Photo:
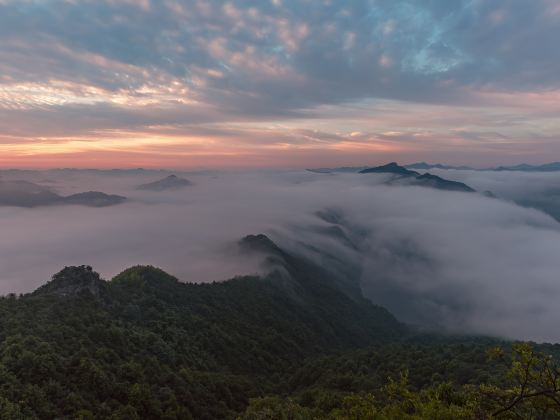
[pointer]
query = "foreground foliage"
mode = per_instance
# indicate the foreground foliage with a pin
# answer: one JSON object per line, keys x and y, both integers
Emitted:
{"x": 529, "y": 390}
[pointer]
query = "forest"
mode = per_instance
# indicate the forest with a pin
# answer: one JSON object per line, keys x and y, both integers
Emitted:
{"x": 294, "y": 344}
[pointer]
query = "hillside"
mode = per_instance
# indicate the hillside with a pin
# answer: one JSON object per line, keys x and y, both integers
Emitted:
{"x": 291, "y": 344}
{"x": 146, "y": 343}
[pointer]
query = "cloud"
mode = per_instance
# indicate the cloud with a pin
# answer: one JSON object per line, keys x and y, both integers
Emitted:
{"x": 92, "y": 66}
{"x": 464, "y": 262}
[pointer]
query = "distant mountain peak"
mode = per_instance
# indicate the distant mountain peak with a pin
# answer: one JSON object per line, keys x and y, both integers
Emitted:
{"x": 94, "y": 199}
{"x": 28, "y": 194}
{"x": 420, "y": 165}
{"x": 171, "y": 182}
{"x": 440, "y": 183}
{"x": 524, "y": 167}
{"x": 409, "y": 177}
{"x": 390, "y": 168}
{"x": 426, "y": 166}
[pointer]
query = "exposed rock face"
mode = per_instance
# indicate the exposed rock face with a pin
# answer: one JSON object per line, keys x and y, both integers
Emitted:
{"x": 74, "y": 281}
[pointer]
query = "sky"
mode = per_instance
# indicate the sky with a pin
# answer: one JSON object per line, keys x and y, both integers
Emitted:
{"x": 280, "y": 83}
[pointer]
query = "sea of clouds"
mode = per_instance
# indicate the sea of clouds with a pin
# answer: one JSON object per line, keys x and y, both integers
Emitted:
{"x": 464, "y": 262}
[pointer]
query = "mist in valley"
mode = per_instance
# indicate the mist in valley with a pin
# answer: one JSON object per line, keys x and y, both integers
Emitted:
{"x": 461, "y": 262}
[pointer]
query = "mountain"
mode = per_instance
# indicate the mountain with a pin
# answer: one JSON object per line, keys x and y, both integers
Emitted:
{"x": 434, "y": 181}
{"x": 74, "y": 281}
{"x": 28, "y": 194}
{"x": 426, "y": 166}
{"x": 145, "y": 345}
{"x": 549, "y": 167}
{"x": 342, "y": 169}
{"x": 94, "y": 199}
{"x": 404, "y": 176}
{"x": 390, "y": 168}
{"x": 292, "y": 343}
{"x": 171, "y": 182}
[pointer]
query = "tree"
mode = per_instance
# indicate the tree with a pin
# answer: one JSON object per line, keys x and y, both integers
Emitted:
{"x": 534, "y": 385}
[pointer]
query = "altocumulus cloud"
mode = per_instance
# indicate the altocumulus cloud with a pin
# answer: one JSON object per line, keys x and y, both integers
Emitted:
{"x": 100, "y": 67}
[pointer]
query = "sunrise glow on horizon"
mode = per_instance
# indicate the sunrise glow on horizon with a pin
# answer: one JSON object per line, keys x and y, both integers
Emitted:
{"x": 245, "y": 84}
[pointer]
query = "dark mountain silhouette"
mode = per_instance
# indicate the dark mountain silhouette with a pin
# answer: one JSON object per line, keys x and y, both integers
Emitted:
{"x": 426, "y": 166}
{"x": 548, "y": 167}
{"x": 523, "y": 167}
{"x": 94, "y": 199}
{"x": 434, "y": 181}
{"x": 390, "y": 168}
{"x": 28, "y": 194}
{"x": 171, "y": 182}
{"x": 404, "y": 176}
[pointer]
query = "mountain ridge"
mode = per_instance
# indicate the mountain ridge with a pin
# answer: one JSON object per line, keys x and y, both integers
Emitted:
{"x": 404, "y": 176}
{"x": 389, "y": 168}
{"x": 522, "y": 167}
{"x": 145, "y": 345}
{"x": 301, "y": 284}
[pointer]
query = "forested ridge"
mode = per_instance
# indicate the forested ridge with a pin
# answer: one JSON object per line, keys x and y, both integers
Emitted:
{"x": 293, "y": 344}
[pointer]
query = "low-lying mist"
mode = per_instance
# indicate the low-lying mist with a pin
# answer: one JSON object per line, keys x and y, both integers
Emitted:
{"x": 461, "y": 261}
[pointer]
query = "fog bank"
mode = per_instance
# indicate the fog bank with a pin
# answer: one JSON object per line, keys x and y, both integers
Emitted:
{"x": 462, "y": 261}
